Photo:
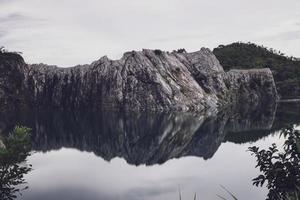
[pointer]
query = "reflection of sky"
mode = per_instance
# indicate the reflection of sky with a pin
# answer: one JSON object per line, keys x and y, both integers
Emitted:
{"x": 70, "y": 175}
{"x": 69, "y": 32}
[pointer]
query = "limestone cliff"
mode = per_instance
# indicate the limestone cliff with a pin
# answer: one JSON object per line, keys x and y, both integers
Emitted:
{"x": 143, "y": 80}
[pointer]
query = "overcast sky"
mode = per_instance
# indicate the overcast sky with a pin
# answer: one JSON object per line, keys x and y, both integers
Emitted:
{"x": 70, "y": 32}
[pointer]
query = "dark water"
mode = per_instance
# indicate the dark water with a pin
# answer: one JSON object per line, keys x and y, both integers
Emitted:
{"x": 133, "y": 156}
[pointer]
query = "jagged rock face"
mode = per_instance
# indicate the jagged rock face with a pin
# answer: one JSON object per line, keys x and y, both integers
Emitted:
{"x": 12, "y": 75}
{"x": 251, "y": 85}
{"x": 145, "y": 80}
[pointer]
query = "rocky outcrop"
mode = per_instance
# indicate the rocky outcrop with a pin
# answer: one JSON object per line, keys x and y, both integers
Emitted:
{"x": 12, "y": 76}
{"x": 144, "y": 80}
{"x": 251, "y": 86}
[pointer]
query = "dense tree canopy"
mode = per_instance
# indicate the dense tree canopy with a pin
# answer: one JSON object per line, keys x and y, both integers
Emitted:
{"x": 286, "y": 70}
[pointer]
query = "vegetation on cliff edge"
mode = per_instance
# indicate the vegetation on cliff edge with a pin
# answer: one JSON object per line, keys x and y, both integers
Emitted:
{"x": 286, "y": 70}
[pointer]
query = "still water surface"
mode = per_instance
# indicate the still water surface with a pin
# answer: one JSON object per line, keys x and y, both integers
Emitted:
{"x": 145, "y": 156}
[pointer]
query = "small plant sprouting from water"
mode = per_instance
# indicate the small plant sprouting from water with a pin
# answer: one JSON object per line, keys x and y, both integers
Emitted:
{"x": 227, "y": 191}
{"x": 180, "y": 197}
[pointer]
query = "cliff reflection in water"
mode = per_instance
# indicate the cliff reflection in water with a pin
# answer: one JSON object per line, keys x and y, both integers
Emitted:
{"x": 144, "y": 138}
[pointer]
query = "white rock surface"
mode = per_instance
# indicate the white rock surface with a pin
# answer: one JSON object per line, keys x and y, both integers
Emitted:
{"x": 141, "y": 80}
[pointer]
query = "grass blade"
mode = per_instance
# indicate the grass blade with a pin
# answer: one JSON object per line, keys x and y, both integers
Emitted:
{"x": 232, "y": 195}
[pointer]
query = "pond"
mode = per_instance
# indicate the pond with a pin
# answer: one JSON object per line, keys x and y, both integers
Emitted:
{"x": 135, "y": 156}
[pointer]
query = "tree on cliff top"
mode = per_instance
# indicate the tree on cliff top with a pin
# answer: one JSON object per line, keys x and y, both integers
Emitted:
{"x": 286, "y": 70}
{"x": 14, "y": 55}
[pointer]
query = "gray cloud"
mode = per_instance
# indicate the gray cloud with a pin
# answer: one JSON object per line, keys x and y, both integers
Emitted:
{"x": 15, "y": 25}
{"x": 6, "y": 1}
{"x": 148, "y": 192}
{"x": 58, "y": 31}
{"x": 179, "y": 37}
{"x": 290, "y": 35}
{"x": 12, "y": 17}
{"x": 297, "y": 23}
{"x": 286, "y": 36}
{"x": 73, "y": 193}
{"x": 2, "y": 34}
{"x": 20, "y": 18}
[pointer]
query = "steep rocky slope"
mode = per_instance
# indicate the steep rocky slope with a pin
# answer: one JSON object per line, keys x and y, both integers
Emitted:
{"x": 143, "y": 80}
{"x": 286, "y": 70}
{"x": 12, "y": 76}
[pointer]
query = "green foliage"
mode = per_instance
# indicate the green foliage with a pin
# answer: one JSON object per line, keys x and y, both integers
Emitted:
{"x": 157, "y": 52}
{"x": 15, "y": 150}
{"x": 5, "y": 51}
{"x": 5, "y": 54}
{"x": 182, "y": 50}
{"x": 2, "y": 50}
{"x": 280, "y": 170}
{"x": 286, "y": 70}
{"x": 17, "y": 145}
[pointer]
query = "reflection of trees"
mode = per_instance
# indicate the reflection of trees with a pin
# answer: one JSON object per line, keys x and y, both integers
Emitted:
{"x": 13, "y": 154}
{"x": 280, "y": 170}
